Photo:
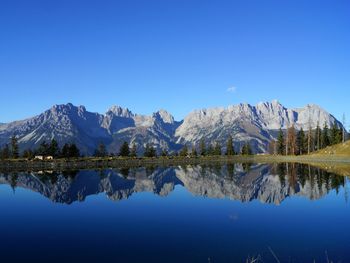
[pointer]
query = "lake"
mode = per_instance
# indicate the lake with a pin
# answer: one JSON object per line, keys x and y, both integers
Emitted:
{"x": 223, "y": 213}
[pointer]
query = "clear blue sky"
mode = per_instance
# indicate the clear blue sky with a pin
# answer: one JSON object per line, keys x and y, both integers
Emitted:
{"x": 178, "y": 55}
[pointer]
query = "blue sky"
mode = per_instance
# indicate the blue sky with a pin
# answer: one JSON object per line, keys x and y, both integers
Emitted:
{"x": 178, "y": 55}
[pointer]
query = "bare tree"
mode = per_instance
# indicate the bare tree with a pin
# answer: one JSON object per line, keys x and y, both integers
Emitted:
{"x": 344, "y": 124}
{"x": 309, "y": 134}
{"x": 291, "y": 144}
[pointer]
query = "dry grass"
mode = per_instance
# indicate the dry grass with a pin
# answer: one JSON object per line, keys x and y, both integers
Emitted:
{"x": 341, "y": 149}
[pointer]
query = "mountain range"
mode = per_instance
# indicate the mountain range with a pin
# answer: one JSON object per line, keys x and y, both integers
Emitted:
{"x": 244, "y": 122}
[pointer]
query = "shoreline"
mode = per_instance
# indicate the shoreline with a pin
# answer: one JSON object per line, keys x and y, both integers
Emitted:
{"x": 14, "y": 165}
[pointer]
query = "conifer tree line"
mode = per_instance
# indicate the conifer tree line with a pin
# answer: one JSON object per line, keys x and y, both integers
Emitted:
{"x": 298, "y": 142}
{"x": 52, "y": 148}
{"x": 11, "y": 150}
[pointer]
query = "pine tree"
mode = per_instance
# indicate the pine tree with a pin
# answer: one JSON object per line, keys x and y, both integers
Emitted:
{"x": 53, "y": 148}
{"x": 246, "y": 149}
{"x": 70, "y": 151}
{"x": 28, "y": 154}
{"x": 325, "y": 136}
{"x": 210, "y": 150}
{"x": 301, "y": 142}
{"x": 101, "y": 150}
{"x": 203, "y": 150}
{"x": 217, "y": 149}
{"x": 5, "y": 152}
{"x": 149, "y": 151}
{"x": 65, "y": 151}
{"x": 280, "y": 143}
{"x": 164, "y": 152}
{"x": 74, "y": 150}
{"x": 133, "y": 151}
{"x": 14, "y": 147}
{"x": 229, "y": 146}
{"x": 184, "y": 151}
{"x": 124, "y": 150}
{"x": 318, "y": 135}
{"x": 43, "y": 148}
{"x": 194, "y": 151}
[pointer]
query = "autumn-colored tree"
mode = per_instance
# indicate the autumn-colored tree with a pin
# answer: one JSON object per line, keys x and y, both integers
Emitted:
{"x": 273, "y": 147}
{"x": 291, "y": 146}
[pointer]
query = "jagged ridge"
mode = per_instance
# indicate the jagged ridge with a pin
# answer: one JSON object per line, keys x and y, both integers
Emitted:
{"x": 256, "y": 124}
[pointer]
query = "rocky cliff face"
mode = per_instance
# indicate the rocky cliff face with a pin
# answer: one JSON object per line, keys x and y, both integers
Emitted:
{"x": 257, "y": 124}
{"x": 68, "y": 123}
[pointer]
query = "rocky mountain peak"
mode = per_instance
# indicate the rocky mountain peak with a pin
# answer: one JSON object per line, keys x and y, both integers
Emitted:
{"x": 163, "y": 115}
{"x": 120, "y": 112}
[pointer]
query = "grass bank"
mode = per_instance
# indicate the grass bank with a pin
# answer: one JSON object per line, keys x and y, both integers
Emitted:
{"x": 322, "y": 161}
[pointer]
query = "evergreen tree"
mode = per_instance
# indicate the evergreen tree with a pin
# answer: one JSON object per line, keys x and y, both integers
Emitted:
{"x": 65, "y": 151}
{"x": 149, "y": 151}
{"x": 164, "y": 153}
{"x": 14, "y": 147}
{"x": 229, "y": 146}
{"x": 202, "y": 147}
{"x": 217, "y": 148}
{"x": 53, "y": 148}
{"x": 43, "y": 148}
{"x": 70, "y": 151}
{"x": 194, "y": 151}
{"x": 184, "y": 151}
{"x": 28, "y": 154}
{"x": 325, "y": 136}
{"x": 246, "y": 149}
{"x": 74, "y": 150}
{"x": 280, "y": 143}
{"x": 5, "y": 152}
{"x": 301, "y": 142}
{"x": 101, "y": 150}
{"x": 210, "y": 150}
{"x": 133, "y": 151}
{"x": 318, "y": 135}
{"x": 124, "y": 150}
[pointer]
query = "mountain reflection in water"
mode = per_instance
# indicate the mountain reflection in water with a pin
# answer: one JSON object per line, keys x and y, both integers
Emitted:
{"x": 268, "y": 183}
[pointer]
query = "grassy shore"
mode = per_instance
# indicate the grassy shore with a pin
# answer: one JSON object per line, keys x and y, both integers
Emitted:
{"x": 323, "y": 161}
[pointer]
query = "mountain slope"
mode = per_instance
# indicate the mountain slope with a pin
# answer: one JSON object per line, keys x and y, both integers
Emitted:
{"x": 70, "y": 124}
{"x": 257, "y": 124}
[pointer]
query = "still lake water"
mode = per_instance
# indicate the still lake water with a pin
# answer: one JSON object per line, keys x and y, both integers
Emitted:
{"x": 176, "y": 214}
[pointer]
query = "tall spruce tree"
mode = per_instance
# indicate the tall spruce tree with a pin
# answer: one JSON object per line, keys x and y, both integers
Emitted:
{"x": 14, "y": 147}
{"x": 101, "y": 150}
{"x": 194, "y": 151}
{"x": 301, "y": 142}
{"x": 5, "y": 152}
{"x": 325, "y": 136}
{"x": 53, "y": 148}
{"x": 217, "y": 148}
{"x": 246, "y": 149}
{"x": 150, "y": 151}
{"x": 164, "y": 153}
{"x": 124, "y": 150}
{"x": 202, "y": 147}
{"x": 133, "y": 151}
{"x": 280, "y": 143}
{"x": 184, "y": 151}
{"x": 318, "y": 137}
{"x": 229, "y": 146}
